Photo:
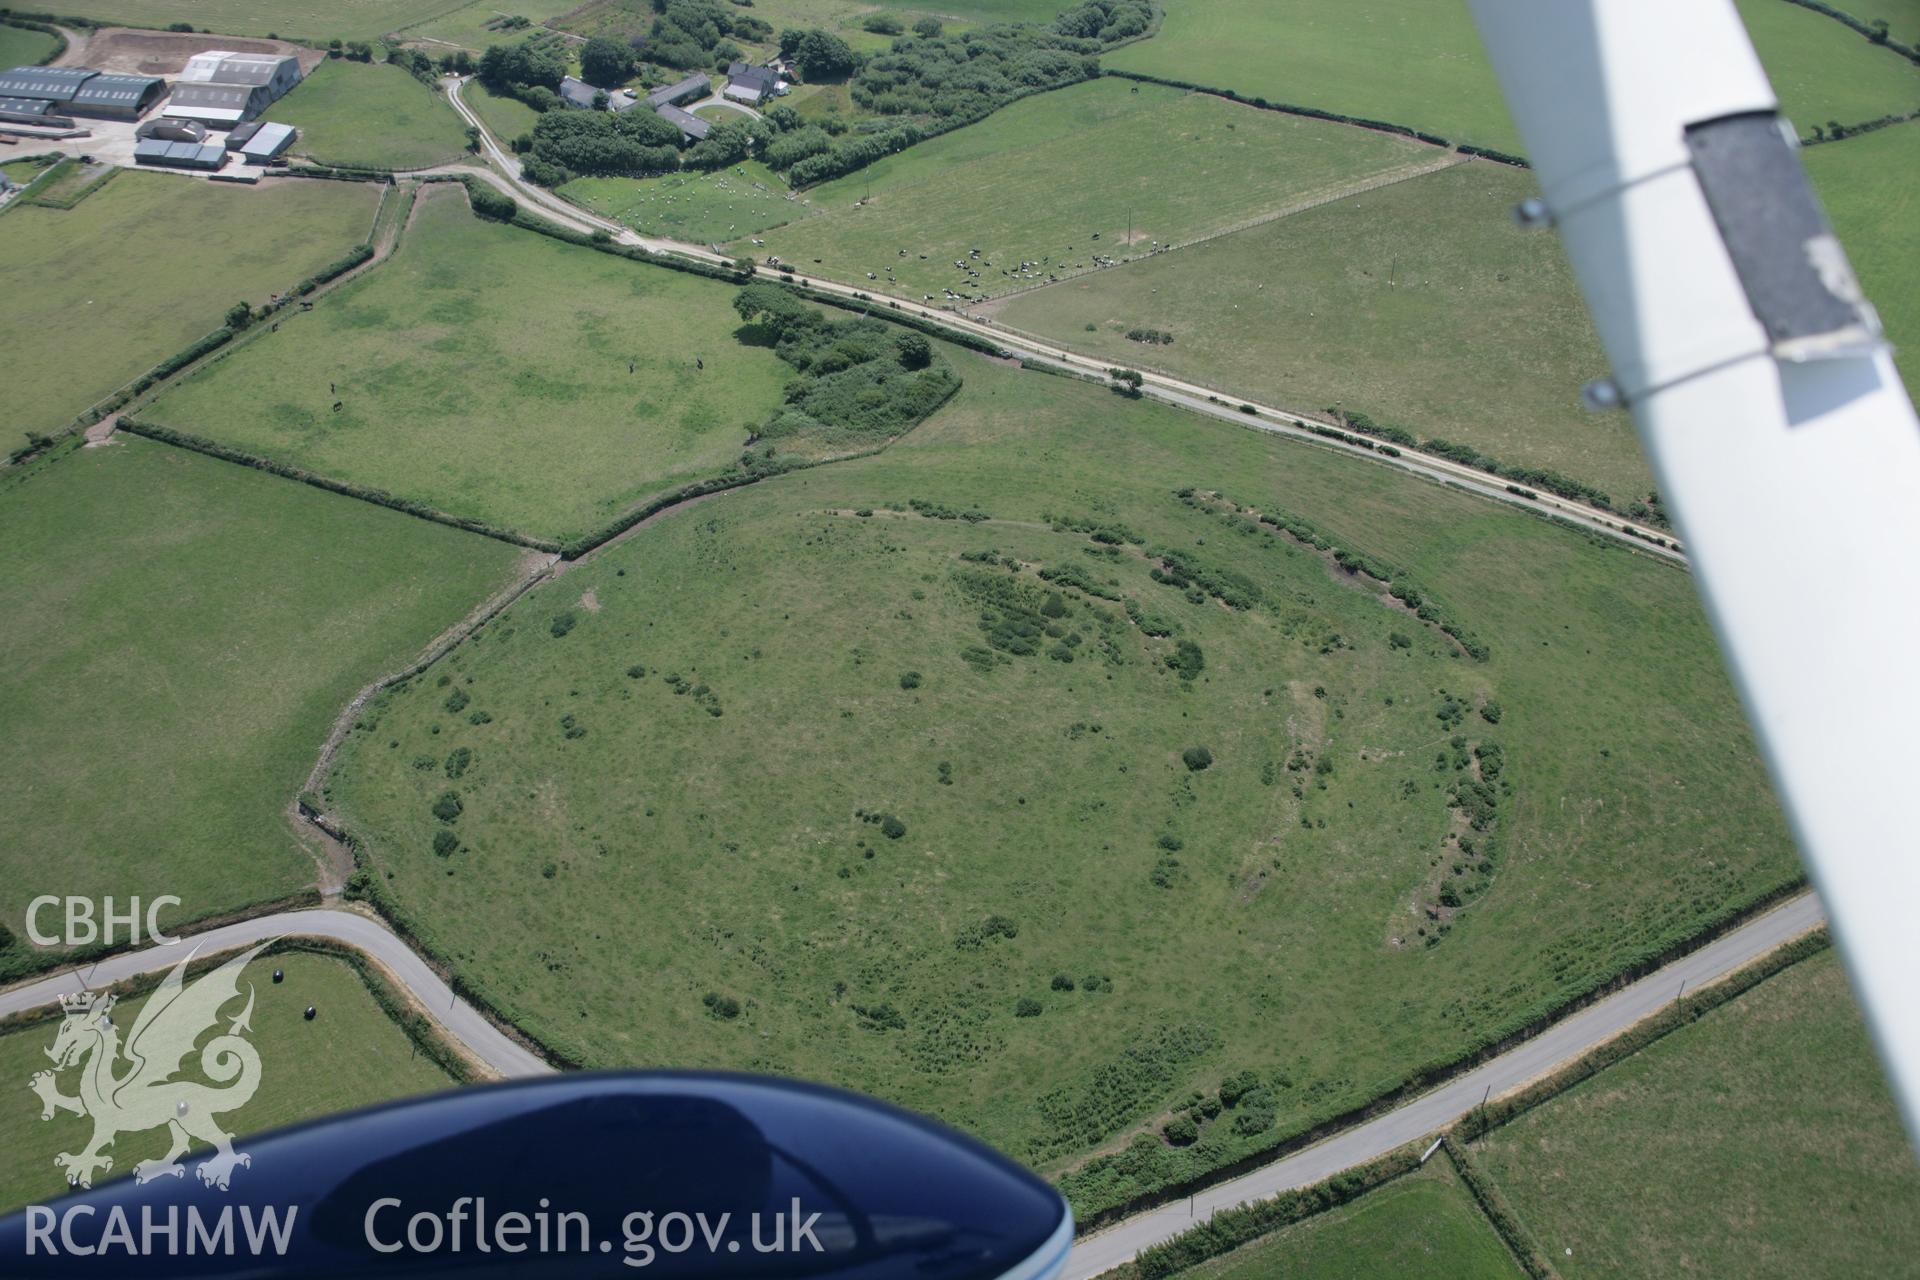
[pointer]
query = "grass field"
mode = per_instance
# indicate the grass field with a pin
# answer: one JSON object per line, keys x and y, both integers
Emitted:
{"x": 24, "y": 171}
{"x": 702, "y": 207}
{"x": 486, "y": 371}
{"x": 1868, "y": 186}
{"x": 141, "y": 307}
{"x": 1419, "y": 304}
{"x": 466, "y": 24}
{"x": 313, "y": 20}
{"x": 675, "y": 740}
{"x": 1424, "y": 1226}
{"x": 180, "y": 634}
{"x": 372, "y": 115}
{"x": 1760, "y": 1141}
{"x": 21, "y": 47}
{"x": 1421, "y": 64}
{"x": 506, "y": 118}
{"x": 352, "y": 1055}
{"x": 1057, "y": 179}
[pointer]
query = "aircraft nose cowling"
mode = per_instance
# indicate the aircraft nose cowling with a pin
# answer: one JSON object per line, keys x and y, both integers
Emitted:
{"x": 651, "y": 1173}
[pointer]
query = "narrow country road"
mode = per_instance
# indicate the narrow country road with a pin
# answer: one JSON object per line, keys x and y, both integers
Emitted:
{"x": 1427, "y": 1114}
{"x": 1422, "y": 1116}
{"x": 503, "y": 172}
{"x": 363, "y": 933}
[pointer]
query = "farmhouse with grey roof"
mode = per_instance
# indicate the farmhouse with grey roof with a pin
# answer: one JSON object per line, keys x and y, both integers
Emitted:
{"x": 751, "y": 84}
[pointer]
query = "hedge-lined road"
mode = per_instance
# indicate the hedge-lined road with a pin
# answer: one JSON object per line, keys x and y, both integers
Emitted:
{"x": 1427, "y": 1114}
{"x": 503, "y": 173}
{"x": 369, "y": 936}
{"x": 1560, "y": 1043}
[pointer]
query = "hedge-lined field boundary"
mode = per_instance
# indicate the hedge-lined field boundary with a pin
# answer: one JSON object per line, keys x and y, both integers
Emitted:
{"x": 1499, "y": 1214}
{"x": 1874, "y": 35}
{"x": 379, "y": 497}
{"x": 1321, "y": 113}
{"x": 44, "y": 28}
{"x": 1228, "y": 1229}
{"x": 68, "y": 203}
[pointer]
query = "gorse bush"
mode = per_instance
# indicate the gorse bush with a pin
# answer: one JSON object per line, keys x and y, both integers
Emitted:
{"x": 448, "y": 806}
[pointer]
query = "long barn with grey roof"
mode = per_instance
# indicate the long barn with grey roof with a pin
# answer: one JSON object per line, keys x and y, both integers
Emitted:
{"x": 674, "y": 94}
{"x": 689, "y": 124}
{"x": 82, "y": 91}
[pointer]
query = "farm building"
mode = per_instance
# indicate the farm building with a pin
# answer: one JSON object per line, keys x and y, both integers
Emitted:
{"x": 49, "y": 84}
{"x": 691, "y": 126}
{"x": 179, "y": 155}
{"x": 750, "y": 84}
{"x": 172, "y": 130}
{"x": 117, "y": 97}
{"x": 84, "y": 92}
{"x": 267, "y": 144}
{"x": 223, "y": 88}
{"x": 241, "y": 134}
{"x": 32, "y": 111}
{"x": 218, "y": 105}
{"x": 674, "y": 94}
{"x": 576, "y": 92}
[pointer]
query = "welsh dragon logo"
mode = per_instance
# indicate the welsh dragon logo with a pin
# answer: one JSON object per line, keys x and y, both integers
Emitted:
{"x": 132, "y": 1087}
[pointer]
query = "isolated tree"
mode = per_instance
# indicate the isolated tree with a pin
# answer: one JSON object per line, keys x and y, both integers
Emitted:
{"x": 606, "y": 63}
{"x": 239, "y": 316}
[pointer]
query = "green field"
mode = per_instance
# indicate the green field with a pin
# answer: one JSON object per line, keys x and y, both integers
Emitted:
{"x": 1417, "y": 63}
{"x": 466, "y": 24}
{"x": 21, "y": 47}
{"x": 371, "y": 115}
{"x": 484, "y": 370}
{"x": 506, "y": 118}
{"x": 1868, "y": 186}
{"x": 675, "y": 740}
{"x": 1760, "y": 1141}
{"x": 1059, "y": 178}
{"x": 352, "y": 1055}
{"x": 312, "y": 20}
{"x": 1420, "y": 304}
{"x": 701, "y": 207}
{"x": 91, "y": 265}
{"x": 180, "y": 635}
{"x": 1822, "y": 70}
{"x": 1424, "y": 1226}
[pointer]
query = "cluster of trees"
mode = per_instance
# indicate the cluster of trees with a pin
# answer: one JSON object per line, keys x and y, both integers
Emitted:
{"x": 692, "y": 34}
{"x": 856, "y": 379}
{"x": 607, "y": 63}
{"x": 885, "y": 24}
{"x": 820, "y": 55}
{"x": 1156, "y": 337}
{"x": 1106, "y": 20}
{"x": 530, "y": 64}
{"x": 568, "y": 143}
